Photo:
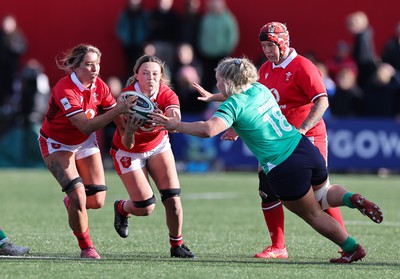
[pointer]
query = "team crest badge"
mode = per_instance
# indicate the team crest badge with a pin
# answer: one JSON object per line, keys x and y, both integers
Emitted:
{"x": 288, "y": 75}
{"x": 55, "y": 145}
{"x": 95, "y": 95}
{"x": 126, "y": 162}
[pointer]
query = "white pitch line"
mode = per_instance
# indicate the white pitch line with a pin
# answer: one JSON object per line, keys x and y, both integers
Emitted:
{"x": 366, "y": 223}
{"x": 28, "y": 257}
{"x": 211, "y": 196}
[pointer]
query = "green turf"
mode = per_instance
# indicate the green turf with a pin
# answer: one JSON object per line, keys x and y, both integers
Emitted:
{"x": 223, "y": 226}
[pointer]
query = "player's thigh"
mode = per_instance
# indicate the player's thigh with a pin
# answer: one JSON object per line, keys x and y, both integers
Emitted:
{"x": 305, "y": 207}
{"x": 137, "y": 184}
{"x": 91, "y": 169}
{"x": 162, "y": 169}
{"x": 62, "y": 166}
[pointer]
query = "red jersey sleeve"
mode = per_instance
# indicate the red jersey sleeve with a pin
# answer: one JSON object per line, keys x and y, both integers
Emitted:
{"x": 295, "y": 87}
{"x": 309, "y": 79}
{"x": 68, "y": 100}
{"x": 166, "y": 98}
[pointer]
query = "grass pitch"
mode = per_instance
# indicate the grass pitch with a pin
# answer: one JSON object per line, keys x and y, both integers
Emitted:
{"x": 223, "y": 226}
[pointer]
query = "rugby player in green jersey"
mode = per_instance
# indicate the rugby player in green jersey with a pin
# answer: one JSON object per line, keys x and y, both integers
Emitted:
{"x": 295, "y": 168}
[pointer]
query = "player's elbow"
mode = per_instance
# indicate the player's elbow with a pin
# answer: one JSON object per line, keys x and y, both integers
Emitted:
{"x": 206, "y": 135}
{"x": 209, "y": 132}
{"x": 322, "y": 102}
{"x": 129, "y": 145}
{"x": 86, "y": 130}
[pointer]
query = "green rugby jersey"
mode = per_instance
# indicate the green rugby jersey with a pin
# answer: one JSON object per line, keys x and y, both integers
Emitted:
{"x": 256, "y": 117}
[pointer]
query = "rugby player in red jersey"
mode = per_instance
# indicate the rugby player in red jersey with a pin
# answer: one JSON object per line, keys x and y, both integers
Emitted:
{"x": 68, "y": 137}
{"x": 301, "y": 94}
{"x": 141, "y": 150}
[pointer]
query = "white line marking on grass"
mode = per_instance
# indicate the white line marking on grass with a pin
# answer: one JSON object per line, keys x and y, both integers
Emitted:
{"x": 366, "y": 223}
{"x": 211, "y": 196}
{"x": 27, "y": 257}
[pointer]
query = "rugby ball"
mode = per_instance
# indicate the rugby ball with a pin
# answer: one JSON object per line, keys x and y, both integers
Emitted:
{"x": 143, "y": 104}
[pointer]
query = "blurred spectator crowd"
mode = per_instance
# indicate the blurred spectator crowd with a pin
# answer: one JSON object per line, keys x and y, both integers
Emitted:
{"x": 24, "y": 91}
{"x": 360, "y": 82}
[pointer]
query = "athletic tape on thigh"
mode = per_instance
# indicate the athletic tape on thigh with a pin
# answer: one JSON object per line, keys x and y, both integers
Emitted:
{"x": 169, "y": 193}
{"x": 92, "y": 189}
{"x": 72, "y": 185}
{"x": 145, "y": 203}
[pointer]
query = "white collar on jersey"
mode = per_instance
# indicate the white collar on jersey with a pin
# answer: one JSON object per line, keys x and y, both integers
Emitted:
{"x": 152, "y": 97}
{"x": 286, "y": 62}
{"x": 246, "y": 87}
{"x": 79, "y": 84}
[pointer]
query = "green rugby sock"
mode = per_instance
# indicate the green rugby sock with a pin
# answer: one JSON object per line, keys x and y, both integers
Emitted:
{"x": 346, "y": 200}
{"x": 349, "y": 245}
{"x": 3, "y": 237}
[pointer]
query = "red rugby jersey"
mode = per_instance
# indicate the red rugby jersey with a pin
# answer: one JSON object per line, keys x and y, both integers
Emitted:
{"x": 295, "y": 83}
{"x": 70, "y": 97}
{"x": 148, "y": 137}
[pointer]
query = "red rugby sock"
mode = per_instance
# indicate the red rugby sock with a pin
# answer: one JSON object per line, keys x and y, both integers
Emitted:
{"x": 275, "y": 220}
{"x": 84, "y": 240}
{"x": 175, "y": 240}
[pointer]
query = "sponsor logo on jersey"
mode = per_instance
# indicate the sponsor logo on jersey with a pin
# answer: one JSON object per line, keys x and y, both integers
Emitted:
{"x": 276, "y": 94}
{"x": 90, "y": 113}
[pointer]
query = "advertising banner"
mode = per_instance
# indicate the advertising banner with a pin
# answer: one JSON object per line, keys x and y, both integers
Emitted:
{"x": 353, "y": 145}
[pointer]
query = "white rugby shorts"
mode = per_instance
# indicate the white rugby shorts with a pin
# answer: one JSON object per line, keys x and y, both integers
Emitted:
{"x": 125, "y": 161}
{"x": 85, "y": 149}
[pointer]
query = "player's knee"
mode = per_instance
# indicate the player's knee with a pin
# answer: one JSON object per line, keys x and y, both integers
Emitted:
{"x": 93, "y": 189}
{"x": 72, "y": 185}
{"x": 322, "y": 195}
{"x": 95, "y": 201}
{"x": 267, "y": 198}
{"x": 266, "y": 206}
{"x": 146, "y": 207}
{"x": 169, "y": 193}
{"x": 173, "y": 206}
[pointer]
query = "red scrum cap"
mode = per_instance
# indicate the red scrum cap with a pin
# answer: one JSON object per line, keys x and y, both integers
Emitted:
{"x": 275, "y": 32}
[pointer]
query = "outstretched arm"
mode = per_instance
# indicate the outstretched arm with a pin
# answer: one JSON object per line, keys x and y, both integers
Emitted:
{"x": 203, "y": 129}
{"x": 207, "y": 96}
